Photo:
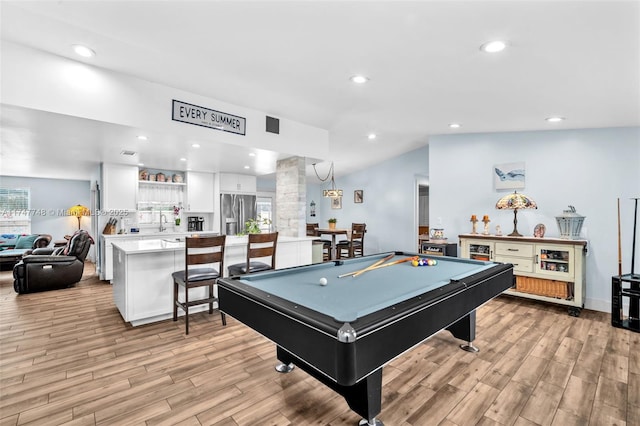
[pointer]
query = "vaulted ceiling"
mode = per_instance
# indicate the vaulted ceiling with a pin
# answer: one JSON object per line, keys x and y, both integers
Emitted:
{"x": 293, "y": 59}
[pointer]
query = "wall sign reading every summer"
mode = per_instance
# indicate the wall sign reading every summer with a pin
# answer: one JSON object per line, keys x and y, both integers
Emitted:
{"x": 205, "y": 117}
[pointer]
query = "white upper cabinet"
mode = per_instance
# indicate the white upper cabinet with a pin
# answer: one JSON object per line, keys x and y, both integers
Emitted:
{"x": 200, "y": 190}
{"x": 241, "y": 184}
{"x": 119, "y": 187}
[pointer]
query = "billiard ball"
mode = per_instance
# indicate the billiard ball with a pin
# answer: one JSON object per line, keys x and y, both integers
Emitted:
{"x": 323, "y": 281}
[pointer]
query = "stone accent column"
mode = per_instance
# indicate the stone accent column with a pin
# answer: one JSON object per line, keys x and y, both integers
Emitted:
{"x": 291, "y": 197}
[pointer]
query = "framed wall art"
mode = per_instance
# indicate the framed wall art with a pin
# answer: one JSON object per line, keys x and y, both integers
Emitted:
{"x": 509, "y": 176}
{"x": 336, "y": 202}
{"x": 358, "y": 195}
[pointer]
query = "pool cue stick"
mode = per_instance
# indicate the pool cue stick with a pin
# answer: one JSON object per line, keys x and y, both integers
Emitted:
{"x": 353, "y": 274}
{"x": 633, "y": 247}
{"x": 619, "y": 242}
{"x": 384, "y": 265}
{"x": 380, "y": 262}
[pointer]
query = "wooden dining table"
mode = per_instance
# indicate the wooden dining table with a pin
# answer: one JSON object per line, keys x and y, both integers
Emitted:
{"x": 333, "y": 232}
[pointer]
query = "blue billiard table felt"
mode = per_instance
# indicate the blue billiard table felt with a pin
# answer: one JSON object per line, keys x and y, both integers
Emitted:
{"x": 349, "y": 298}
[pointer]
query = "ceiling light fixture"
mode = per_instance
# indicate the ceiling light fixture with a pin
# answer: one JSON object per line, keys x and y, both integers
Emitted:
{"x": 84, "y": 51}
{"x": 183, "y": 159}
{"x": 372, "y": 136}
{"x": 359, "y": 79}
{"x": 252, "y": 154}
{"x": 454, "y": 126}
{"x": 195, "y": 145}
{"x": 555, "y": 119}
{"x": 333, "y": 192}
{"x": 246, "y": 167}
{"x": 142, "y": 138}
{"x": 493, "y": 46}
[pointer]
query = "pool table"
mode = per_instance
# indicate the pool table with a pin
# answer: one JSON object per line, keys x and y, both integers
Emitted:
{"x": 344, "y": 332}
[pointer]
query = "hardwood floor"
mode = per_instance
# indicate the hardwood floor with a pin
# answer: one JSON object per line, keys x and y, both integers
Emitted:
{"x": 67, "y": 357}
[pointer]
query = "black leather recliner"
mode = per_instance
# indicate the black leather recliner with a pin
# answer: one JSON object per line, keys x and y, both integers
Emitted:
{"x": 50, "y": 269}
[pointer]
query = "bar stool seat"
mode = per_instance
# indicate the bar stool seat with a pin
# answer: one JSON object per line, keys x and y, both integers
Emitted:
{"x": 258, "y": 246}
{"x": 241, "y": 268}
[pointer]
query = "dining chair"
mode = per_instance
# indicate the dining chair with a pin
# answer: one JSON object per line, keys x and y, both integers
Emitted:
{"x": 258, "y": 246}
{"x": 199, "y": 251}
{"x": 354, "y": 245}
{"x": 312, "y": 231}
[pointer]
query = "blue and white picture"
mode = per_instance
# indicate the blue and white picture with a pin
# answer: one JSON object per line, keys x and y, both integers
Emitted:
{"x": 509, "y": 176}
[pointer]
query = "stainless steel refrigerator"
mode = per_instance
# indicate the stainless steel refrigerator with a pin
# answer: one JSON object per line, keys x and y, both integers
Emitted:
{"x": 235, "y": 210}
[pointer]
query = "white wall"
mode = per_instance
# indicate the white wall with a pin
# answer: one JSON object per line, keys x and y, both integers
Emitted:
{"x": 587, "y": 168}
{"x": 41, "y": 81}
{"x": 390, "y": 200}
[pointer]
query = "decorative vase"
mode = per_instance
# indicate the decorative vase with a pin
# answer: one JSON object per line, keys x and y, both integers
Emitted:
{"x": 178, "y": 222}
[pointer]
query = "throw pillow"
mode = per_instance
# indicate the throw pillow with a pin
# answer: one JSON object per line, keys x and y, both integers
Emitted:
{"x": 26, "y": 241}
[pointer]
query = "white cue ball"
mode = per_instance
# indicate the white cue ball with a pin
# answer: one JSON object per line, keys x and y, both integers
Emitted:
{"x": 323, "y": 281}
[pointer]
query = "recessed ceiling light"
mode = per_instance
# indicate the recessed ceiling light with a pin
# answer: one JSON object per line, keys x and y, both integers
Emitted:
{"x": 183, "y": 159}
{"x": 252, "y": 154}
{"x": 142, "y": 138}
{"x": 83, "y": 51}
{"x": 371, "y": 136}
{"x": 493, "y": 46}
{"x": 455, "y": 125}
{"x": 246, "y": 167}
{"x": 555, "y": 119}
{"x": 195, "y": 145}
{"x": 359, "y": 79}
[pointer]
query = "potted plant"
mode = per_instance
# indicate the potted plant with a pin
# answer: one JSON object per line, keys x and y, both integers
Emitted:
{"x": 252, "y": 226}
{"x": 332, "y": 223}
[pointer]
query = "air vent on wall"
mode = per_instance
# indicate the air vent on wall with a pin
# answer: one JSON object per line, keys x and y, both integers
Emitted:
{"x": 128, "y": 153}
{"x": 273, "y": 125}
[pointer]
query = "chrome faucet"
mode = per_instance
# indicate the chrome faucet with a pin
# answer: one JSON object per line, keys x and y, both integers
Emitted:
{"x": 163, "y": 219}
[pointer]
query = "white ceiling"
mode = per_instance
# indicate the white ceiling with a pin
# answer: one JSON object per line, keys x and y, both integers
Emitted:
{"x": 293, "y": 59}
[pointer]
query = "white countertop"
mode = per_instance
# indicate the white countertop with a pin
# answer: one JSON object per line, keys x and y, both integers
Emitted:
{"x": 171, "y": 244}
{"x": 159, "y": 235}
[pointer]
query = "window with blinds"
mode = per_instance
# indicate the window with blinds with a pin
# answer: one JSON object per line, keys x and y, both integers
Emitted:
{"x": 15, "y": 211}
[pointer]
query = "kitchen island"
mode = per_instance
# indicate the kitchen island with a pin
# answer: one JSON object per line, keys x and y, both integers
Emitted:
{"x": 142, "y": 283}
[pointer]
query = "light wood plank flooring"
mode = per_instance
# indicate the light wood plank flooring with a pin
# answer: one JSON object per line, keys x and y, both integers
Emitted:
{"x": 66, "y": 357}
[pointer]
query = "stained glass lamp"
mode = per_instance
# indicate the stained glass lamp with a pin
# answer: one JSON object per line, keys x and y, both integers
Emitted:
{"x": 515, "y": 202}
{"x": 79, "y": 211}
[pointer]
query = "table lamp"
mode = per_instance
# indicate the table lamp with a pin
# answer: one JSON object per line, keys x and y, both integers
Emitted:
{"x": 515, "y": 202}
{"x": 78, "y": 211}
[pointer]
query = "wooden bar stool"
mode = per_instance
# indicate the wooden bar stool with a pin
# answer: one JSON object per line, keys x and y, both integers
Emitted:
{"x": 354, "y": 246}
{"x": 258, "y": 246}
{"x": 199, "y": 251}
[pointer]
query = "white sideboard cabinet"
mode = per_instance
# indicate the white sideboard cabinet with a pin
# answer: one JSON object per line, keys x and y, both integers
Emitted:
{"x": 548, "y": 269}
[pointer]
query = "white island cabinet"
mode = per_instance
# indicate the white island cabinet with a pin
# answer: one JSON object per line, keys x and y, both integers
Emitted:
{"x": 142, "y": 283}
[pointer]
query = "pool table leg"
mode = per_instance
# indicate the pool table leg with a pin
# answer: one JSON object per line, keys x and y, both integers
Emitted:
{"x": 363, "y": 397}
{"x": 465, "y": 329}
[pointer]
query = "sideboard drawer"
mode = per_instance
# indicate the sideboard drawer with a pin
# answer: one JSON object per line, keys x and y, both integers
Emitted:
{"x": 520, "y": 264}
{"x": 514, "y": 249}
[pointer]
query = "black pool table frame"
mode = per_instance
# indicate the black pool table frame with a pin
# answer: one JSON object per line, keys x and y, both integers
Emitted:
{"x": 348, "y": 357}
